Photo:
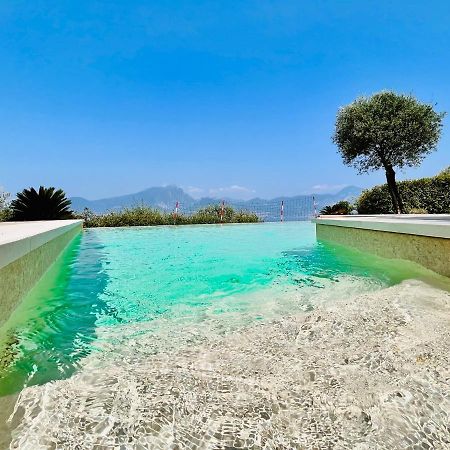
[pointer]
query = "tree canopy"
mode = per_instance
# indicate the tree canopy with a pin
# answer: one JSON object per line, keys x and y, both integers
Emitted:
{"x": 387, "y": 130}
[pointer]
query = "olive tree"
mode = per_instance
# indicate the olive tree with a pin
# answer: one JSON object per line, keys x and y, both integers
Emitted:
{"x": 387, "y": 131}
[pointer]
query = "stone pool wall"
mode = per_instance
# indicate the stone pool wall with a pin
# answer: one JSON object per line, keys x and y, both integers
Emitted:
{"x": 24, "y": 260}
{"x": 429, "y": 251}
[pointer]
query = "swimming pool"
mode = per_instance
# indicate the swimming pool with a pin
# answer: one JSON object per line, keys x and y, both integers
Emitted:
{"x": 118, "y": 297}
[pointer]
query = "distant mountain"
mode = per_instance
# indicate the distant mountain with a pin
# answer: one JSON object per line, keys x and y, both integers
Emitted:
{"x": 165, "y": 198}
{"x": 349, "y": 193}
{"x": 157, "y": 197}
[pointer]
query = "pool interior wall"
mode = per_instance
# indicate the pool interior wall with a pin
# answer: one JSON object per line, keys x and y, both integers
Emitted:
{"x": 19, "y": 276}
{"x": 432, "y": 253}
{"x": 17, "y": 279}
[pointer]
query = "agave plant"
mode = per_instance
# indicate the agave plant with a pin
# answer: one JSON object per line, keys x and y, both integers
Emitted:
{"x": 45, "y": 204}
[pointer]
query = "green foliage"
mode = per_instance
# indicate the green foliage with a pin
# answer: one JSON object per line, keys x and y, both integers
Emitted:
{"x": 387, "y": 131}
{"x": 145, "y": 216}
{"x": 5, "y": 211}
{"x": 386, "y": 127}
{"x": 212, "y": 214}
{"x": 4, "y": 199}
{"x": 446, "y": 171}
{"x": 5, "y": 214}
{"x": 342, "y": 207}
{"x": 426, "y": 194}
{"x": 44, "y": 204}
{"x": 417, "y": 211}
{"x": 137, "y": 216}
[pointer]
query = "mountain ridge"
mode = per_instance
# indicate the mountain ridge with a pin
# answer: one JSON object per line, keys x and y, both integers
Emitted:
{"x": 165, "y": 198}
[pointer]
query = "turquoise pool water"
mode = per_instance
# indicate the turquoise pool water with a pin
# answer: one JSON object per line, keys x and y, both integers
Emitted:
{"x": 179, "y": 284}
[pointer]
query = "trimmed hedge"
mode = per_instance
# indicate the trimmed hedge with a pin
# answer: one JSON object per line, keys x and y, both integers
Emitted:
{"x": 431, "y": 195}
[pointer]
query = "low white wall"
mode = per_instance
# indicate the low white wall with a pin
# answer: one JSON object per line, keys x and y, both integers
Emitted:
{"x": 433, "y": 225}
{"x": 27, "y": 250}
{"x": 425, "y": 241}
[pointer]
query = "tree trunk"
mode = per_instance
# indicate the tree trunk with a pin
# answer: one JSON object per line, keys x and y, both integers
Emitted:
{"x": 393, "y": 190}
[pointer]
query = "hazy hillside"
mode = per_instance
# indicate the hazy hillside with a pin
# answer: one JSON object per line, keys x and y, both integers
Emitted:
{"x": 296, "y": 207}
{"x": 158, "y": 197}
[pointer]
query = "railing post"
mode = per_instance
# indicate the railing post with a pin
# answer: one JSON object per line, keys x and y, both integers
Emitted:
{"x": 222, "y": 210}
{"x": 175, "y": 213}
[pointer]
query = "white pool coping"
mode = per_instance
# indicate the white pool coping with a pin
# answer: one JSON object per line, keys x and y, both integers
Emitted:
{"x": 433, "y": 225}
{"x": 19, "y": 238}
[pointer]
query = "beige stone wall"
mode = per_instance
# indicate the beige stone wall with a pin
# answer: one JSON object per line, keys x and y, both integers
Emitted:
{"x": 430, "y": 252}
{"x": 18, "y": 277}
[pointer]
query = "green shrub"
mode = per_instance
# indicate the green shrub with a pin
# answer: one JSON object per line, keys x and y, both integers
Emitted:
{"x": 5, "y": 211}
{"x": 146, "y": 216}
{"x": 213, "y": 214}
{"x": 5, "y": 214}
{"x": 446, "y": 171}
{"x": 339, "y": 208}
{"x": 427, "y": 194}
{"x": 417, "y": 211}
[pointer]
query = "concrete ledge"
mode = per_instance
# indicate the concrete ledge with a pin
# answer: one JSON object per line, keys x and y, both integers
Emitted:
{"x": 435, "y": 225}
{"x": 27, "y": 249}
{"x": 19, "y": 238}
{"x": 424, "y": 241}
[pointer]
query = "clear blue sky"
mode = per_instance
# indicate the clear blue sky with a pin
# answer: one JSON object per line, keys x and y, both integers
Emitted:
{"x": 234, "y": 98}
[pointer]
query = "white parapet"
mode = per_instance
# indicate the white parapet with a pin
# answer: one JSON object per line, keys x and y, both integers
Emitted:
{"x": 19, "y": 238}
{"x": 433, "y": 225}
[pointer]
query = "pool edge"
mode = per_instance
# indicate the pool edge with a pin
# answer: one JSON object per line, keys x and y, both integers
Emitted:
{"x": 26, "y": 258}
{"x": 431, "y": 252}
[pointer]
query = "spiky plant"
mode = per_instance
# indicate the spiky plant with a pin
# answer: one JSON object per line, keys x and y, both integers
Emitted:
{"x": 44, "y": 204}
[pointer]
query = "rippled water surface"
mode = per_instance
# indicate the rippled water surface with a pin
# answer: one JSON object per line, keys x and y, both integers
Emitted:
{"x": 180, "y": 284}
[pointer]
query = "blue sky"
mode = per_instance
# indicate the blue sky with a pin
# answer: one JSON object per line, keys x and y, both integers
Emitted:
{"x": 229, "y": 98}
